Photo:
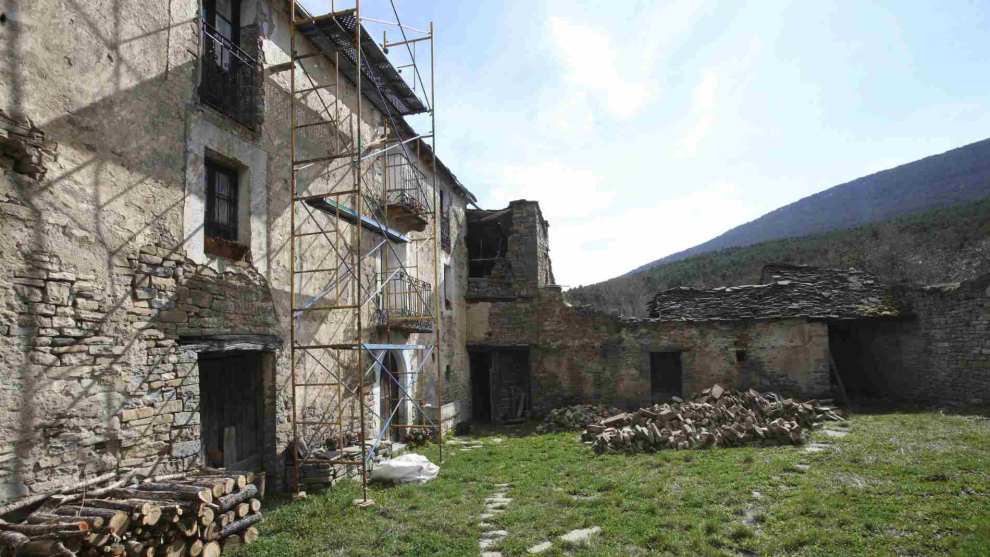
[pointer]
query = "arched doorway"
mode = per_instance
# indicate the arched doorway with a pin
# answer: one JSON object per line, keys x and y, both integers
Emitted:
{"x": 389, "y": 395}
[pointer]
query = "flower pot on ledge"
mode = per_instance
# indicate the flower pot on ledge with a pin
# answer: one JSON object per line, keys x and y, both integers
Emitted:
{"x": 228, "y": 249}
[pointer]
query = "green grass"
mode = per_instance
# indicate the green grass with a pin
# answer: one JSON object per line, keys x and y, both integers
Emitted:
{"x": 899, "y": 484}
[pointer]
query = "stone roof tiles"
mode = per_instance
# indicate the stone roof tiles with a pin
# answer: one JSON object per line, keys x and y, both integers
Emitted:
{"x": 790, "y": 291}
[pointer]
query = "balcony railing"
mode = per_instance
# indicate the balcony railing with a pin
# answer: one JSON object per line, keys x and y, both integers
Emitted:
{"x": 405, "y": 303}
{"x": 230, "y": 78}
{"x": 445, "y": 230}
{"x": 408, "y": 188}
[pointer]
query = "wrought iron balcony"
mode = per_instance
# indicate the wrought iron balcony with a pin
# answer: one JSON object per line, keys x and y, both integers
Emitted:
{"x": 445, "y": 230}
{"x": 409, "y": 198}
{"x": 405, "y": 304}
{"x": 230, "y": 78}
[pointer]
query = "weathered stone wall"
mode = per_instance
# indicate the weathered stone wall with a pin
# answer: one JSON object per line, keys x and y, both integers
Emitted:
{"x": 940, "y": 354}
{"x": 518, "y": 273}
{"x": 586, "y": 356}
{"x": 93, "y": 374}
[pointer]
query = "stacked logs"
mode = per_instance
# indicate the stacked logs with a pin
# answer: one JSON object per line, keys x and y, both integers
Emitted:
{"x": 195, "y": 514}
{"x": 575, "y": 417}
{"x": 715, "y": 418}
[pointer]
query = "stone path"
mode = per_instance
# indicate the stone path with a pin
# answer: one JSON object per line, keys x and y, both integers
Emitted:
{"x": 579, "y": 536}
{"x": 493, "y": 505}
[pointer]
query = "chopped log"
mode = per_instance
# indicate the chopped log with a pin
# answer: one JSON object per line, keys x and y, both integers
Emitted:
{"x": 189, "y": 492}
{"x": 176, "y": 549}
{"x": 196, "y": 548}
{"x": 242, "y": 524}
{"x": 228, "y": 502}
{"x": 255, "y": 505}
{"x": 26, "y": 502}
{"x": 250, "y": 535}
{"x": 64, "y": 535}
{"x": 94, "y": 522}
{"x": 37, "y": 529}
{"x": 242, "y": 509}
{"x": 197, "y": 495}
{"x": 13, "y": 541}
{"x": 166, "y": 477}
{"x": 74, "y": 545}
{"x": 211, "y": 549}
{"x": 86, "y": 483}
{"x": 209, "y": 532}
{"x": 44, "y": 548}
{"x": 217, "y": 488}
{"x": 124, "y": 480}
{"x": 137, "y": 549}
{"x": 128, "y": 505}
{"x": 98, "y": 539}
{"x": 189, "y": 527}
{"x": 240, "y": 480}
{"x": 231, "y": 543}
{"x": 116, "y": 521}
{"x": 206, "y": 516}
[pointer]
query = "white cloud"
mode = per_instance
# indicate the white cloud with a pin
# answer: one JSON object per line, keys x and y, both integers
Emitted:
{"x": 563, "y": 192}
{"x": 704, "y": 105}
{"x": 592, "y": 62}
{"x": 585, "y": 251}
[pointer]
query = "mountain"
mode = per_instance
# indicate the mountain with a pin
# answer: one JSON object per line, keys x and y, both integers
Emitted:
{"x": 954, "y": 177}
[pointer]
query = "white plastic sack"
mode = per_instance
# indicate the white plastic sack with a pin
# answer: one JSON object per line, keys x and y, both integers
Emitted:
{"x": 408, "y": 468}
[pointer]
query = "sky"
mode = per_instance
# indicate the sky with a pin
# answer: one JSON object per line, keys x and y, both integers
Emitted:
{"x": 646, "y": 127}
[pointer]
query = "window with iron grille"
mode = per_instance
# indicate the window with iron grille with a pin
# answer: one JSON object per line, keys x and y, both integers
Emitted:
{"x": 230, "y": 75}
{"x": 221, "y": 202}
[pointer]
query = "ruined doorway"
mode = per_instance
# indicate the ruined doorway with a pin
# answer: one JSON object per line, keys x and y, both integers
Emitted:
{"x": 389, "y": 395}
{"x": 666, "y": 375}
{"x": 481, "y": 387}
{"x": 230, "y": 407}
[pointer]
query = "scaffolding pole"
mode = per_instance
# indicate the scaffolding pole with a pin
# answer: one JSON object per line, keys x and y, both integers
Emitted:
{"x": 365, "y": 208}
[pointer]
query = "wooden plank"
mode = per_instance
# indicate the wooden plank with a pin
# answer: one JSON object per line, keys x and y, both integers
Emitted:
{"x": 224, "y": 343}
{"x": 838, "y": 378}
{"x": 229, "y": 445}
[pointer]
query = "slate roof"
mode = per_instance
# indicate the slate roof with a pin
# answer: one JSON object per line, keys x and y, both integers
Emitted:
{"x": 789, "y": 291}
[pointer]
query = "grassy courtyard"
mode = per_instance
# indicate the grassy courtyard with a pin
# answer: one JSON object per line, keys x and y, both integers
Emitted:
{"x": 897, "y": 484}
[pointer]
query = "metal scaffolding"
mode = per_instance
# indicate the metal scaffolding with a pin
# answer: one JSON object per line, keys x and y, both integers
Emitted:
{"x": 374, "y": 192}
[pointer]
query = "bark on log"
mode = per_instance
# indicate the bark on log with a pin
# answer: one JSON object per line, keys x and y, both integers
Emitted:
{"x": 242, "y": 524}
{"x": 217, "y": 488}
{"x": 228, "y": 502}
{"x": 116, "y": 521}
{"x": 44, "y": 548}
{"x": 86, "y": 483}
{"x": 26, "y": 502}
{"x": 166, "y": 477}
{"x": 239, "y": 480}
{"x": 94, "y": 522}
{"x": 211, "y": 549}
{"x": 13, "y": 541}
{"x": 250, "y": 535}
{"x": 231, "y": 543}
{"x": 197, "y": 496}
{"x": 38, "y": 529}
{"x": 63, "y": 499}
{"x": 189, "y": 492}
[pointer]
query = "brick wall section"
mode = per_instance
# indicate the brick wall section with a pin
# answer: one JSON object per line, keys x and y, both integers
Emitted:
{"x": 942, "y": 355}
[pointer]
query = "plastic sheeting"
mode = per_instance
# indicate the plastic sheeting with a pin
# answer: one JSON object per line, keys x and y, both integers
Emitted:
{"x": 408, "y": 468}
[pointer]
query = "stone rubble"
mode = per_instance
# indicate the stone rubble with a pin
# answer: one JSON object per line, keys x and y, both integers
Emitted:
{"x": 575, "y": 417}
{"x": 715, "y": 418}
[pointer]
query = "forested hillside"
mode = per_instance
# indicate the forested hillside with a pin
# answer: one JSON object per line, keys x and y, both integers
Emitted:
{"x": 942, "y": 245}
{"x": 957, "y": 176}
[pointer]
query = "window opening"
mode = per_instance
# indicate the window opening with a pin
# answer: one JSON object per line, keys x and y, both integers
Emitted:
{"x": 221, "y": 202}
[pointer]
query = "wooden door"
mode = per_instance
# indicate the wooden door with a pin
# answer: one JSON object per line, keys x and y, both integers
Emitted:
{"x": 230, "y": 407}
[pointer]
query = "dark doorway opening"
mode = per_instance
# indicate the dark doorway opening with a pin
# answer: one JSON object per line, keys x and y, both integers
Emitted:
{"x": 665, "y": 375}
{"x": 481, "y": 387}
{"x": 500, "y": 385}
{"x": 231, "y": 408}
{"x": 389, "y": 395}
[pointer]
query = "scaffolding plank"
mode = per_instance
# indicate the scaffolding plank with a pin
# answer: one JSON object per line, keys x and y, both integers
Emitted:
{"x": 325, "y": 195}
{"x": 322, "y": 159}
{"x": 308, "y": 20}
{"x": 350, "y": 216}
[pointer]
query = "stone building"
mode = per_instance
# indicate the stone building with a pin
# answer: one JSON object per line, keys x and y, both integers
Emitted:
{"x": 797, "y": 333}
{"x": 144, "y": 237}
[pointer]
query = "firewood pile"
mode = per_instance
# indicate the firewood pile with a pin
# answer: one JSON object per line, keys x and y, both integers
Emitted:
{"x": 578, "y": 416}
{"x": 191, "y": 514}
{"x": 715, "y": 418}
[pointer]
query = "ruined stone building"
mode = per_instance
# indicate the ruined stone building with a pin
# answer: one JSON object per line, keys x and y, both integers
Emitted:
{"x": 144, "y": 168}
{"x": 797, "y": 333}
